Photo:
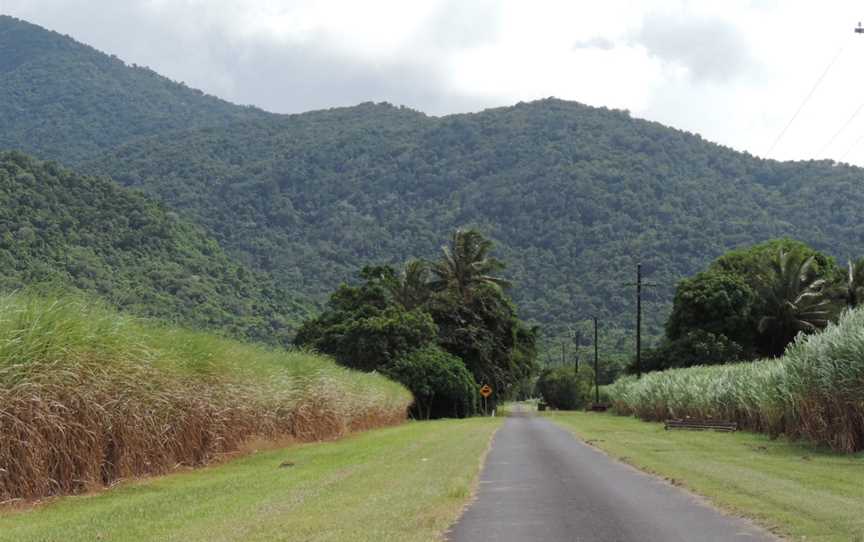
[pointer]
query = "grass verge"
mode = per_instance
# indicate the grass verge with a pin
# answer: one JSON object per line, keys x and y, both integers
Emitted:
{"x": 800, "y": 491}
{"x": 405, "y": 483}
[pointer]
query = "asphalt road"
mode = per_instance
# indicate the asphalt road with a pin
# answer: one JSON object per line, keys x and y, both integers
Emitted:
{"x": 542, "y": 484}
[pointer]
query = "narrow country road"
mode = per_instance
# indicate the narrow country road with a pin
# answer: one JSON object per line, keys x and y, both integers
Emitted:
{"x": 542, "y": 484}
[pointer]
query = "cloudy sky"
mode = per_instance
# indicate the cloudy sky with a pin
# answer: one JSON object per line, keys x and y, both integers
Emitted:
{"x": 735, "y": 72}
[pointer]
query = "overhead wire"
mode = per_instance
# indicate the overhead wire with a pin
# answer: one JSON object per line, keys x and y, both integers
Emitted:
{"x": 842, "y": 129}
{"x": 807, "y": 98}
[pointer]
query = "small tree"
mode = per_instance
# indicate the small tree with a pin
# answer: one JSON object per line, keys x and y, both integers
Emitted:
{"x": 794, "y": 301}
{"x": 562, "y": 389}
{"x": 442, "y": 386}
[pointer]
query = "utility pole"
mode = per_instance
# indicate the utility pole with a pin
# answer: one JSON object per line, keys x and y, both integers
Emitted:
{"x": 639, "y": 284}
{"x": 596, "y": 367}
{"x": 563, "y": 353}
{"x": 638, "y": 320}
{"x": 577, "y": 338}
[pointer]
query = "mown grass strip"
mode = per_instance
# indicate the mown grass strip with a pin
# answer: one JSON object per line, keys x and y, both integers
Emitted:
{"x": 406, "y": 483}
{"x": 800, "y": 491}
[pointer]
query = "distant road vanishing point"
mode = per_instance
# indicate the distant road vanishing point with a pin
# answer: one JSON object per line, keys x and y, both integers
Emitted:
{"x": 542, "y": 484}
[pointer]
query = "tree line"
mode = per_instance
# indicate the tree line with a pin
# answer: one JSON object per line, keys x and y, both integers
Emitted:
{"x": 443, "y": 328}
{"x": 751, "y": 303}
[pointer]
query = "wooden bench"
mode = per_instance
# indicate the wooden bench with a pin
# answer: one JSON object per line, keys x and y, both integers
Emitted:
{"x": 702, "y": 425}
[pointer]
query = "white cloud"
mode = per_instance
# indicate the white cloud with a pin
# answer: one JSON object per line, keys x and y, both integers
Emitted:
{"x": 733, "y": 71}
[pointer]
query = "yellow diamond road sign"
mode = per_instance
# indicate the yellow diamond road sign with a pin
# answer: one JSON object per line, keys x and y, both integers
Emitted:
{"x": 486, "y": 391}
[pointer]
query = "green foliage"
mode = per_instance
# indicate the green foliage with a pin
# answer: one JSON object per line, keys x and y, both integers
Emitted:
{"x": 564, "y": 389}
{"x": 484, "y": 332}
{"x": 442, "y": 386}
{"x": 61, "y": 230}
{"x": 794, "y": 301}
{"x": 65, "y": 101}
{"x": 696, "y": 347}
{"x": 751, "y": 302}
{"x": 369, "y": 327}
{"x": 814, "y": 391}
{"x": 565, "y": 190}
{"x": 714, "y": 302}
{"x": 362, "y": 326}
{"x": 465, "y": 265}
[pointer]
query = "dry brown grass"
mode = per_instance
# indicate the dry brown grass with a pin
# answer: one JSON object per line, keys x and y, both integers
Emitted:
{"x": 79, "y": 417}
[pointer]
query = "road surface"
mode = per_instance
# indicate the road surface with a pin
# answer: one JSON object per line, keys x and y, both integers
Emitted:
{"x": 542, "y": 484}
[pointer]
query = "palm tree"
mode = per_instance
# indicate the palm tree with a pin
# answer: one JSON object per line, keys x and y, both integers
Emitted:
{"x": 794, "y": 301}
{"x": 465, "y": 265}
{"x": 855, "y": 284}
{"x": 410, "y": 288}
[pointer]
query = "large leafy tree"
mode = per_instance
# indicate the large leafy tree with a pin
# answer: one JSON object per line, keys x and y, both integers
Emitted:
{"x": 466, "y": 265}
{"x": 363, "y": 328}
{"x": 455, "y": 305}
{"x": 795, "y": 301}
{"x": 714, "y": 302}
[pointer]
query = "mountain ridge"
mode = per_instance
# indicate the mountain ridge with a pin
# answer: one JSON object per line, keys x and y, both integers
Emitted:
{"x": 573, "y": 195}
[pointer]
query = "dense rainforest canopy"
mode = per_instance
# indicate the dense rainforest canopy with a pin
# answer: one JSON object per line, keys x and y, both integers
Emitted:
{"x": 60, "y": 229}
{"x": 574, "y": 196}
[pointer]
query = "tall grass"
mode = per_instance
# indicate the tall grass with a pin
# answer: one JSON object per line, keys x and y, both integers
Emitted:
{"x": 89, "y": 396}
{"x": 815, "y": 391}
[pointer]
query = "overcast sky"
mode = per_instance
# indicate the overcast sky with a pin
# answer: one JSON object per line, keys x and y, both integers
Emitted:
{"x": 733, "y": 71}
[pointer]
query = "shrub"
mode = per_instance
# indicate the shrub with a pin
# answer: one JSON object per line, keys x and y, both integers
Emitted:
{"x": 442, "y": 385}
{"x": 564, "y": 390}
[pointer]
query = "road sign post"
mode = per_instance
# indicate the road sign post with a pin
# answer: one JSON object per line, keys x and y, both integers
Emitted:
{"x": 485, "y": 391}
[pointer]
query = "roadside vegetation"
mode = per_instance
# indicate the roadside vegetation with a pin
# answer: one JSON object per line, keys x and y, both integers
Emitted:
{"x": 400, "y": 484}
{"x": 799, "y": 490}
{"x": 797, "y": 320}
{"x": 443, "y": 328}
{"x": 91, "y": 396}
{"x": 814, "y": 391}
{"x": 751, "y": 303}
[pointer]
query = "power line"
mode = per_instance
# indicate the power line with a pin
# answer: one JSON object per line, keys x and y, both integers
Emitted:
{"x": 806, "y": 99}
{"x": 852, "y": 148}
{"x": 840, "y": 131}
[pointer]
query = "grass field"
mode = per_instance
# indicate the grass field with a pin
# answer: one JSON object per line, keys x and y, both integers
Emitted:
{"x": 800, "y": 491}
{"x": 89, "y": 396}
{"x": 405, "y": 483}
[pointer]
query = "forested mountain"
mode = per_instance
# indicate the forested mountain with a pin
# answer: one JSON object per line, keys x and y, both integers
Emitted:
{"x": 573, "y": 196}
{"x": 59, "y": 229}
{"x": 63, "y": 100}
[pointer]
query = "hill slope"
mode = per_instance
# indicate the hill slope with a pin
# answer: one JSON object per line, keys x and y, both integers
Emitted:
{"x": 573, "y": 195}
{"x": 59, "y": 228}
{"x": 63, "y": 100}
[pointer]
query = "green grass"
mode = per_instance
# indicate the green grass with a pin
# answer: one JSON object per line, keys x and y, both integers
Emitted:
{"x": 405, "y": 483}
{"x": 801, "y": 491}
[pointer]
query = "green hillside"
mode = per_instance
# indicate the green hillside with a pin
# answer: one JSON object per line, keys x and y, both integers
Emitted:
{"x": 60, "y": 229}
{"x": 573, "y": 196}
{"x": 63, "y": 100}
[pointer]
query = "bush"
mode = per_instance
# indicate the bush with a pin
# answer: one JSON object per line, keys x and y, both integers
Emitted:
{"x": 442, "y": 385}
{"x": 696, "y": 347}
{"x": 563, "y": 390}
